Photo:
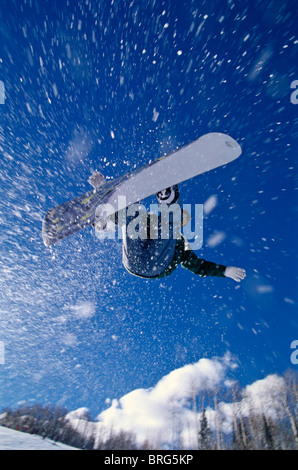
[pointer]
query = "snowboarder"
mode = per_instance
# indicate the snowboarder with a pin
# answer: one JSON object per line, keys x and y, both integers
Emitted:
{"x": 155, "y": 258}
{"x": 210, "y": 151}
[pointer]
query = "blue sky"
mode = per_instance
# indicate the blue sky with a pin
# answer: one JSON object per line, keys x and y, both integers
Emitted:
{"x": 109, "y": 86}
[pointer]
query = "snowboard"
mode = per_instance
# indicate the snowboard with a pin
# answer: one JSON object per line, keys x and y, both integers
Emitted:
{"x": 210, "y": 151}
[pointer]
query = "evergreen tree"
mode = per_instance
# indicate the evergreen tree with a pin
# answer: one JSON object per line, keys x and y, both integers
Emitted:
{"x": 205, "y": 434}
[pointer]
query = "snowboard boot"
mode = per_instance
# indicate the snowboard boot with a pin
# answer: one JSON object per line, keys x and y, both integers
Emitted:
{"x": 168, "y": 196}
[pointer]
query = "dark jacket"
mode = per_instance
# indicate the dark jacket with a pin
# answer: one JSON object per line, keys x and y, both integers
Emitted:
{"x": 185, "y": 256}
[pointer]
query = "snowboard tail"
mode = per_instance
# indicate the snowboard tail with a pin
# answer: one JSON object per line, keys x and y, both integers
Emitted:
{"x": 204, "y": 154}
{"x": 74, "y": 215}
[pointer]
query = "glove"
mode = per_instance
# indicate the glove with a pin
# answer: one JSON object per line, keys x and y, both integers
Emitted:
{"x": 237, "y": 274}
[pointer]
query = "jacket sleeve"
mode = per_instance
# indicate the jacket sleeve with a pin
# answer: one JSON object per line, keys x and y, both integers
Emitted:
{"x": 200, "y": 266}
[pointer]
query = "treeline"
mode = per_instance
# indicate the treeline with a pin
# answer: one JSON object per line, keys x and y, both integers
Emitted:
{"x": 236, "y": 420}
{"x": 48, "y": 422}
{"x": 271, "y": 425}
{"x": 52, "y": 423}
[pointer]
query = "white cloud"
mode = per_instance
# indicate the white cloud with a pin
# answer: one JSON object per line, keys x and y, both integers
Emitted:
{"x": 149, "y": 412}
{"x": 264, "y": 396}
{"x": 181, "y": 383}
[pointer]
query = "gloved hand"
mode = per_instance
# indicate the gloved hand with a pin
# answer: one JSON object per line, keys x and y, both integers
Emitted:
{"x": 237, "y": 274}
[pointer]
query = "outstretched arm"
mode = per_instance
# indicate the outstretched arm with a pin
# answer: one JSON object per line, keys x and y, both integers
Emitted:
{"x": 200, "y": 266}
{"x": 204, "y": 268}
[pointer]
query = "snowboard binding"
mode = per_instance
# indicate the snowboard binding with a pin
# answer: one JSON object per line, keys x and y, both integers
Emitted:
{"x": 168, "y": 196}
{"x": 97, "y": 180}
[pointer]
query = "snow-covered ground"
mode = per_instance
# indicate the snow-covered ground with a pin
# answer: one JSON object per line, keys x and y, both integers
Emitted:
{"x": 16, "y": 440}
